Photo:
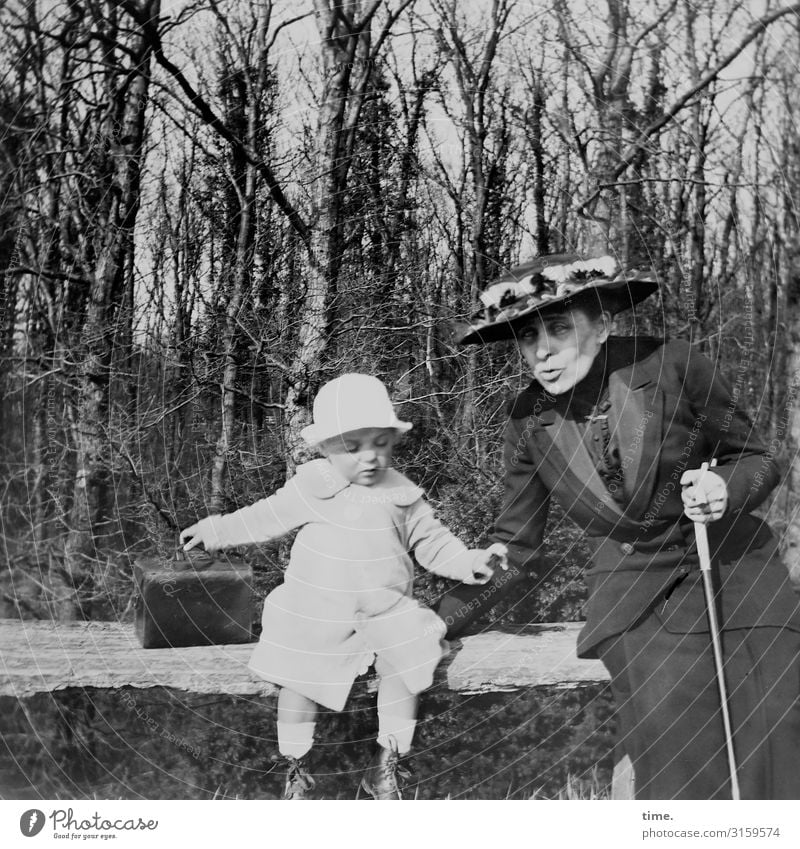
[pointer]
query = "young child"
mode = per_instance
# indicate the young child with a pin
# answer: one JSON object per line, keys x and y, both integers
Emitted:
{"x": 346, "y": 597}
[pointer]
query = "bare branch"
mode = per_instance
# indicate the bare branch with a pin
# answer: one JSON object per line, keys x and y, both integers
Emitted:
{"x": 153, "y": 37}
{"x": 753, "y": 31}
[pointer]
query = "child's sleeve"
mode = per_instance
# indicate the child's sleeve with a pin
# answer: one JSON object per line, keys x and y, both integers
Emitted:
{"x": 435, "y": 547}
{"x": 267, "y": 519}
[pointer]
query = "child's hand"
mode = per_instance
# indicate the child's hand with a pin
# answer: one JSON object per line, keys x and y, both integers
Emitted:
{"x": 483, "y": 565}
{"x": 202, "y": 533}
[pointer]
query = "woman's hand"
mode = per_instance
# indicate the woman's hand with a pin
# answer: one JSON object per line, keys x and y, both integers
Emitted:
{"x": 483, "y": 565}
{"x": 704, "y": 494}
{"x": 202, "y": 533}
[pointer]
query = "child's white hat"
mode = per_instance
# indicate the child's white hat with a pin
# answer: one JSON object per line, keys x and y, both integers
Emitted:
{"x": 351, "y": 402}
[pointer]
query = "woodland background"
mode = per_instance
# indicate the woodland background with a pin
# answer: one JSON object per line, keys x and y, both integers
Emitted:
{"x": 208, "y": 209}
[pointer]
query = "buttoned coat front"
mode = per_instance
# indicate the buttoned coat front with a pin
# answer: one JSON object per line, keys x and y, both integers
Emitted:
{"x": 346, "y": 596}
{"x": 669, "y": 410}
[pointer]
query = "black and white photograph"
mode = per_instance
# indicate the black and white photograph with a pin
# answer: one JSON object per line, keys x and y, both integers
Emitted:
{"x": 400, "y": 403}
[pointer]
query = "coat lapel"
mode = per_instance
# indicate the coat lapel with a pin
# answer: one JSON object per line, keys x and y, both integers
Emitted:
{"x": 564, "y": 453}
{"x": 636, "y": 417}
{"x": 636, "y": 421}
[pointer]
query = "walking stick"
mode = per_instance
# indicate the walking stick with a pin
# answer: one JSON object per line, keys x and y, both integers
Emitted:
{"x": 704, "y": 554}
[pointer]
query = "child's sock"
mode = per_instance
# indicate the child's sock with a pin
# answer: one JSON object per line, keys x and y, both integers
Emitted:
{"x": 401, "y": 728}
{"x": 295, "y": 738}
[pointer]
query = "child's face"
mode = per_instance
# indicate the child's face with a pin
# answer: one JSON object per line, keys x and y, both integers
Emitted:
{"x": 361, "y": 456}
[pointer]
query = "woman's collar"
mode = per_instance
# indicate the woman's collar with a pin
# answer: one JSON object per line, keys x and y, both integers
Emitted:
{"x": 618, "y": 352}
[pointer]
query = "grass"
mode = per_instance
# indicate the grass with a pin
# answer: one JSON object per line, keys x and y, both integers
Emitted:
{"x": 91, "y": 744}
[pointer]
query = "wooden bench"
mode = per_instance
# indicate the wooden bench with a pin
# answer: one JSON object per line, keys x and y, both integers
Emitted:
{"x": 43, "y": 657}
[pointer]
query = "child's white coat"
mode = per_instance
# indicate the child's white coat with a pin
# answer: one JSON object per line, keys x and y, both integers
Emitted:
{"x": 346, "y": 598}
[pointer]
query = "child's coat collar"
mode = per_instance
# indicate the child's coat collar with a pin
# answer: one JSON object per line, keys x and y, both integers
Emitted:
{"x": 321, "y": 480}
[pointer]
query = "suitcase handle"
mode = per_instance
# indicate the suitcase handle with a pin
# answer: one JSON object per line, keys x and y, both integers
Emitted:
{"x": 185, "y": 561}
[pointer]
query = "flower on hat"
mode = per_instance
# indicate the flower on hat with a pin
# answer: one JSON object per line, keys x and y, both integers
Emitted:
{"x": 547, "y": 281}
{"x": 510, "y": 297}
{"x": 582, "y": 270}
{"x": 502, "y": 294}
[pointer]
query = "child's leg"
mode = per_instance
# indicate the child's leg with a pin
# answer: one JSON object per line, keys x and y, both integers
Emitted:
{"x": 397, "y": 713}
{"x": 296, "y": 719}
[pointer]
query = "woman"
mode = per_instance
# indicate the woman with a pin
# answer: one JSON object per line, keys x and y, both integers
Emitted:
{"x": 617, "y": 429}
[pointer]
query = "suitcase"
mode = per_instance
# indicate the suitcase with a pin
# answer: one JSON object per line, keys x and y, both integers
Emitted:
{"x": 194, "y": 600}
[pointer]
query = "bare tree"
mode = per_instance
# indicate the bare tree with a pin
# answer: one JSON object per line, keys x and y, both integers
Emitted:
{"x": 480, "y": 185}
{"x": 119, "y": 144}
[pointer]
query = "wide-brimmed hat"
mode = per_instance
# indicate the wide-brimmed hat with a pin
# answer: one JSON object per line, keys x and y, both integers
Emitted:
{"x": 351, "y": 402}
{"x": 554, "y": 281}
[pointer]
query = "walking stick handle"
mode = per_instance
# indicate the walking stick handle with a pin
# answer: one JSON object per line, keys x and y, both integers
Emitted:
{"x": 701, "y": 532}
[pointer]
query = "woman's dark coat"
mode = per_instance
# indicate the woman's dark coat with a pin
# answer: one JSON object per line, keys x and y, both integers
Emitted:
{"x": 670, "y": 410}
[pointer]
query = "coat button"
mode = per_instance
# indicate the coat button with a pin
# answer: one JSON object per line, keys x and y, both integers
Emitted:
{"x": 627, "y": 548}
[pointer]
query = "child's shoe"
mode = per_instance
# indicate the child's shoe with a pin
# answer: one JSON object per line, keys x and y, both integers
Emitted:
{"x": 299, "y": 784}
{"x": 381, "y": 777}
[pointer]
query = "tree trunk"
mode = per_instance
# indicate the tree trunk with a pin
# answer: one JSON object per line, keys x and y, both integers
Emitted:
{"x": 245, "y": 89}
{"x": 89, "y": 521}
{"x": 344, "y": 43}
{"x": 231, "y": 343}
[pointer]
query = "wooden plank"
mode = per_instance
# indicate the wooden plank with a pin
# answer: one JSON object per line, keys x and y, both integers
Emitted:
{"x": 533, "y": 657}
{"x": 41, "y": 657}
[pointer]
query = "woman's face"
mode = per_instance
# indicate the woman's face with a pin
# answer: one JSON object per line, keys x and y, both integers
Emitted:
{"x": 560, "y": 347}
